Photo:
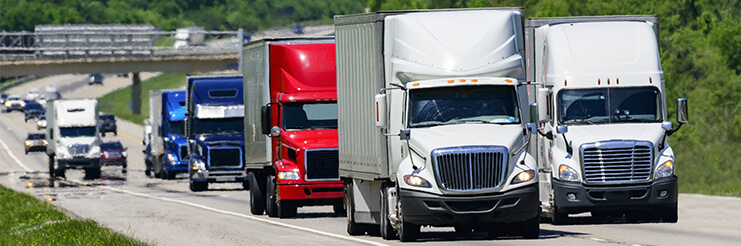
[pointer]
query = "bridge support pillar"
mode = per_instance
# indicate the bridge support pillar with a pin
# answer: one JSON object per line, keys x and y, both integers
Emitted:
{"x": 136, "y": 93}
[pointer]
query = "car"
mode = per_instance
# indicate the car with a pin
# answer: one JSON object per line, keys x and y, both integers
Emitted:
{"x": 113, "y": 154}
{"x": 95, "y": 79}
{"x": 41, "y": 122}
{"x": 33, "y": 110}
{"x": 32, "y": 94}
{"x": 3, "y": 97}
{"x": 35, "y": 142}
{"x": 107, "y": 123}
{"x": 14, "y": 103}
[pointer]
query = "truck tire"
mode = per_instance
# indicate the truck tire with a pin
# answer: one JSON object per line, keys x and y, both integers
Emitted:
{"x": 271, "y": 201}
{"x": 387, "y": 231}
{"x": 559, "y": 218}
{"x": 408, "y": 232}
{"x": 52, "y": 172}
{"x": 158, "y": 167}
{"x": 246, "y": 185}
{"x": 530, "y": 229}
{"x": 197, "y": 186}
{"x": 338, "y": 208}
{"x": 670, "y": 215}
{"x": 168, "y": 175}
{"x": 92, "y": 173}
{"x": 287, "y": 209}
{"x": 353, "y": 229}
{"x": 257, "y": 198}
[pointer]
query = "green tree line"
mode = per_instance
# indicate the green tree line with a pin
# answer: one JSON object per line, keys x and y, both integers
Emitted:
{"x": 250, "y": 15}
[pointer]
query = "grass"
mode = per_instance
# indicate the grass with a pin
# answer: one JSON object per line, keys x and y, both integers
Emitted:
{"x": 25, "y": 220}
{"x": 117, "y": 102}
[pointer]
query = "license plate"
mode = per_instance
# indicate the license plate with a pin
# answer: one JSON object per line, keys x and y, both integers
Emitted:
{"x": 225, "y": 179}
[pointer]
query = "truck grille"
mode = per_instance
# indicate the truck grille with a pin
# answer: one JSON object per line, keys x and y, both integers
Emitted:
{"x": 184, "y": 152}
{"x": 322, "y": 164}
{"x": 79, "y": 149}
{"x": 470, "y": 168}
{"x": 225, "y": 157}
{"x": 617, "y": 162}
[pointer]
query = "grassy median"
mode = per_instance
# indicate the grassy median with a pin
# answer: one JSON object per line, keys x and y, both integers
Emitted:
{"x": 25, "y": 220}
{"x": 118, "y": 101}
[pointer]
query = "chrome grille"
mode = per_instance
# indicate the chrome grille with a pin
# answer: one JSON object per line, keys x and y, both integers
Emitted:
{"x": 617, "y": 161}
{"x": 322, "y": 164}
{"x": 229, "y": 157}
{"x": 184, "y": 152}
{"x": 470, "y": 168}
{"x": 79, "y": 149}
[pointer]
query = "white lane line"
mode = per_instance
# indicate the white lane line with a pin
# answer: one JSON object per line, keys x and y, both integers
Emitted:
{"x": 12, "y": 156}
{"x": 247, "y": 217}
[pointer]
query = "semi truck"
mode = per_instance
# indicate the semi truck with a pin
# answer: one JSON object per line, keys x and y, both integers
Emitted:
{"x": 433, "y": 123}
{"x": 73, "y": 137}
{"x": 215, "y": 130}
{"x": 168, "y": 146}
{"x": 291, "y": 125}
{"x": 602, "y": 144}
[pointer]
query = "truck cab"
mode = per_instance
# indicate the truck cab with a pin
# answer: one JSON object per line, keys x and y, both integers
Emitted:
{"x": 602, "y": 144}
{"x": 215, "y": 130}
{"x": 169, "y": 145}
{"x": 293, "y": 161}
{"x": 73, "y": 137}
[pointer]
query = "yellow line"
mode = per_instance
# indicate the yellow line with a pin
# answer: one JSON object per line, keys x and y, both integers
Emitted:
{"x": 130, "y": 137}
{"x": 103, "y": 87}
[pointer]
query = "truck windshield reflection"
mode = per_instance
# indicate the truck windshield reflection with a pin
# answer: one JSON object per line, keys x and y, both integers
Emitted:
{"x": 222, "y": 126}
{"x": 616, "y": 105}
{"x": 309, "y": 116}
{"x": 463, "y": 105}
{"x": 70, "y": 132}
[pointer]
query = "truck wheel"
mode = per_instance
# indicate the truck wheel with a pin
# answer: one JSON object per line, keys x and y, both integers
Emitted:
{"x": 353, "y": 229}
{"x": 197, "y": 186}
{"x": 530, "y": 229}
{"x": 169, "y": 175}
{"x": 670, "y": 215}
{"x": 246, "y": 185}
{"x": 387, "y": 231}
{"x": 559, "y": 218}
{"x": 271, "y": 205}
{"x": 637, "y": 216}
{"x": 338, "y": 207}
{"x": 257, "y": 198}
{"x": 287, "y": 209}
{"x": 148, "y": 168}
{"x": 408, "y": 232}
{"x": 92, "y": 173}
{"x": 158, "y": 167}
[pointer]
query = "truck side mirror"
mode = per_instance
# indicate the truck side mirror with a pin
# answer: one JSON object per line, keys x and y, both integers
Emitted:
{"x": 543, "y": 113}
{"x": 562, "y": 129}
{"x": 405, "y": 134}
{"x": 275, "y": 132}
{"x": 265, "y": 119}
{"x": 533, "y": 113}
{"x": 682, "y": 111}
{"x": 381, "y": 110}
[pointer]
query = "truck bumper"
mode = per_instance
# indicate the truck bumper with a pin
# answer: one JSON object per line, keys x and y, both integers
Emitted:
{"x": 615, "y": 198}
{"x": 220, "y": 176}
{"x": 312, "y": 194}
{"x": 79, "y": 163}
{"x": 429, "y": 209}
{"x": 178, "y": 167}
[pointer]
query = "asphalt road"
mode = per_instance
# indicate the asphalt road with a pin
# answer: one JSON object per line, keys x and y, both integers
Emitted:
{"x": 166, "y": 212}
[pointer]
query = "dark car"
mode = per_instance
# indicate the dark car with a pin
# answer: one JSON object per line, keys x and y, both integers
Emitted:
{"x": 35, "y": 142}
{"x": 113, "y": 154}
{"x": 33, "y": 110}
{"x": 107, "y": 123}
{"x": 95, "y": 79}
{"x": 3, "y": 97}
{"x": 14, "y": 103}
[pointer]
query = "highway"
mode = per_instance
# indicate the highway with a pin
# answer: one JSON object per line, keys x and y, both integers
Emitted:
{"x": 166, "y": 212}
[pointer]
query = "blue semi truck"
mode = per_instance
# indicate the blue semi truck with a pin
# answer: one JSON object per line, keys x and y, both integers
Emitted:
{"x": 215, "y": 130}
{"x": 168, "y": 147}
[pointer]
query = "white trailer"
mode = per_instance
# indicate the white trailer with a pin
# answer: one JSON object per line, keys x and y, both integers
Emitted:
{"x": 73, "y": 136}
{"x": 432, "y": 122}
{"x": 189, "y": 36}
{"x": 602, "y": 146}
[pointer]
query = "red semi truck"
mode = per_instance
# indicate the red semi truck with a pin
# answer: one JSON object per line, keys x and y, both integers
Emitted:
{"x": 290, "y": 118}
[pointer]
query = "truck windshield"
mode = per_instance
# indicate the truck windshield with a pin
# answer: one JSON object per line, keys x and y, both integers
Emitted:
{"x": 71, "y": 132}
{"x": 176, "y": 128}
{"x": 613, "y": 105}
{"x": 462, "y": 105}
{"x": 309, "y": 116}
{"x": 218, "y": 126}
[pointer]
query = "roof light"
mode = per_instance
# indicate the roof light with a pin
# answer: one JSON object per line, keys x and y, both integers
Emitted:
{"x": 508, "y": 80}
{"x": 608, "y": 81}
{"x": 474, "y": 80}
{"x": 463, "y": 80}
{"x": 599, "y": 82}
{"x": 650, "y": 81}
{"x": 415, "y": 84}
{"x": 451, "y": 81}
{"x": 564, "y": 82}
{"x": 617, "y": 81}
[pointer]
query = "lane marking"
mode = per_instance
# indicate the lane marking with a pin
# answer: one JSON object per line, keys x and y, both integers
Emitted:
{"x": 12, "y": 156}
{"x": 130, "y": 137}
{"x": 246, "y": 216}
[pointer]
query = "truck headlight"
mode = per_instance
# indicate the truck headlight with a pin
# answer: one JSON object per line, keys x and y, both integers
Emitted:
{"x": 415, "y": 180}
{"x": 196, "y": 164}
{"x": 523, "y": 176}
{"x": 170, "y": 158}
{"x": 289, "y": 175}
{"x": 664, "y": 170}
{"x": 566, "y": 173}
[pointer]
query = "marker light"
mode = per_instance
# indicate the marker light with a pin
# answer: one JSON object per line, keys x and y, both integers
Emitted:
{"x": 463, "y": 80}
{"x": 564, "y": 82}
{"x": 650, "y": 81}
{"x": 415, "y": 84}
{"x": 195, "y": 168}
{"x": 617, "y": 81}
{"x": 451, "y": 81}
{"x": 474, "y": 80}
{"x": 598, "y": 82}
{"x": 509, "y": 81}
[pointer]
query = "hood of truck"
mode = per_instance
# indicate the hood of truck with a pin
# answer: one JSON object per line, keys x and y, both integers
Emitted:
{"x": 62, "y": 147}
{"x": 428, "y": 139}
{"x": 578, "y": 135}
{"x": 216, "y": 139}
{"x": 178, "y": 139}
{"x": 311, "y": 139}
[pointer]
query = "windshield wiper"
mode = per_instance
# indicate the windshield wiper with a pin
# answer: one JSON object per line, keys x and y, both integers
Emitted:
{"x": 429, "y": 123}
{"x": 590, "y": 122}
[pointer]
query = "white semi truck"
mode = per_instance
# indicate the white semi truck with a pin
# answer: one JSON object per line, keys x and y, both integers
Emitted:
{"x": 73, "y": 136}
{"x": 432, "y": 123}
{"x": 602, "y": 146}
